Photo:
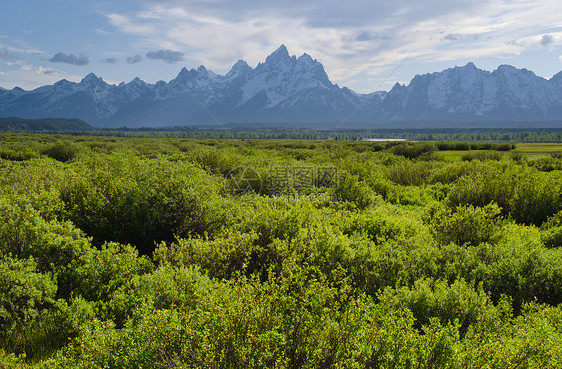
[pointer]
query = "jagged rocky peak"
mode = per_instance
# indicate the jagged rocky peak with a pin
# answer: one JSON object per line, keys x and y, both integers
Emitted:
{"x": 308, "y": 61}
{"x": 509, "y": 70}
{"x": 195, "y": 74}
{"x": 280, "y": 53}
{"x": 137, "y": 81}
{"x": 91, "y": 79}
{"x": 279, "y": 57}
{"x": 183, "y": 74}
{"x": 239, "y": 68}
{"x": 65, "y": 82}
{"x": 205, "y": 73}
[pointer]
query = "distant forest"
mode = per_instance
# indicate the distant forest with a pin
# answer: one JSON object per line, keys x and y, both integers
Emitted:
{"x": 267, "y": 131}
{"x": 45, "y": 124}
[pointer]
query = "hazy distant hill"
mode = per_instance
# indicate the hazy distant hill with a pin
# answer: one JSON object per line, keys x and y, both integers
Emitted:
{"x": 47, "y": 124}
{"x": 286, "y": 89}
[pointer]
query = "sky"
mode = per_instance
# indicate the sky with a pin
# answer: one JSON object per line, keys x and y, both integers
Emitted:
{"x": 365, "y": 45}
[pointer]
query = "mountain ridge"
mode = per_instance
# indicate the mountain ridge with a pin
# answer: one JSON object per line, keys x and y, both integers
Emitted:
{"x": 285, "y": 88}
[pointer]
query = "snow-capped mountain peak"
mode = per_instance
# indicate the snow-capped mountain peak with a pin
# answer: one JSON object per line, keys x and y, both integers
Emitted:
{"x": 92, "y": 79}
{"x": 239, "y": 68}
{"x": 285, "y": 88}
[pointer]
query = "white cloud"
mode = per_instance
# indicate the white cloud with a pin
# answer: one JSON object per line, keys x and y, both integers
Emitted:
{"x": 102, "y": 31}
{"x": 48, "y": 71}
{"x": 37, "y": 76}
{"x": 17, "y": 62}
{"x": 123, "y": 23}
{"x": 349, "y": 38}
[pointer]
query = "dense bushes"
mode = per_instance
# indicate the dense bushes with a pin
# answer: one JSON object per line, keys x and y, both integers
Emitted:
{"x": 61, "y": 151}
{"x": 125, "y": 199}
{"x": 527, "y": 195}
{"x": 137, "y": 253}
{"x": 412, "y": 151}
{"x": 467, "y": 225}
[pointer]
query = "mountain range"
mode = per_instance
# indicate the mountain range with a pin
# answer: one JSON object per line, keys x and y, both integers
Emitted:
{"x": 287, "y": 89}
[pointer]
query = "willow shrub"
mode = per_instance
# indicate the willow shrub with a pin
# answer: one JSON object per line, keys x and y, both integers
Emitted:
{"x": 126, "y": 199}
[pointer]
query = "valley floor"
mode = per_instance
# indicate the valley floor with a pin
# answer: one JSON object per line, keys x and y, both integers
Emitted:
{"x": 176, "y": 252}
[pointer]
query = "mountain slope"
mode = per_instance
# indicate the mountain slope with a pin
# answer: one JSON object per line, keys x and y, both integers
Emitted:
{"x": 470, "y": 94}
{"x": 285, "y": 88}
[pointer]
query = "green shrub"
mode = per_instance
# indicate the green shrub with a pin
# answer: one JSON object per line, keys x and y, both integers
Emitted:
{"x": 551, "y": 231}
{"x": 467, "y": 225}
{"x": 54, "y": 245}
{"x": 61, "y": 151}
{"x": 356, "y": 192}
{"x": 99, "y": 273}
{"x": 547, "y": 164}
{"x": 17, "y": 155}
{"x": 413, "y": 150}
{"x": 482, "y": 156}
{"x": 143, "y": 202}
{"x": 528, "y": 195}
{"x": 410, "y": 173}
{"x": 458, "y": 302}
{"x": 24, "y": 294}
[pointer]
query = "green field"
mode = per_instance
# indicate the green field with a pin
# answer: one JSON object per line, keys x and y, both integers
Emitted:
{"x": 204, "y": 253}
{"x": 527, "y": 151}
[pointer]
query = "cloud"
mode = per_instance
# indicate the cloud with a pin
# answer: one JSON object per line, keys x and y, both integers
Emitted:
{"x": 26, "y": 67}
{"x": 546, "y": 40}
{"x": 452, "y": 37}
{"x": 364, "y": 36}
{"x": 124, "y": 23}
{"x": 112, "y": 60}
{"x": 17, "y": 62}
{"x": 351, "y": 39}
{"x": 5, "y": 55}
{"x": 47, "y": 71}
{"x": 167, "y": 56}
{"x": 70, "y": 59}
{"x": 134, "y": 59}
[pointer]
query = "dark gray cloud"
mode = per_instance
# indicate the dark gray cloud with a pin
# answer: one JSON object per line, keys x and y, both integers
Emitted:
{"x": 546, "y": 40}
{"x": 167, "y": 56}
{"x": 134, "y": 59}
{"x": 452, "y": 37}
{"x": 70, "y": 59}
{"x": 110, "y": 60}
